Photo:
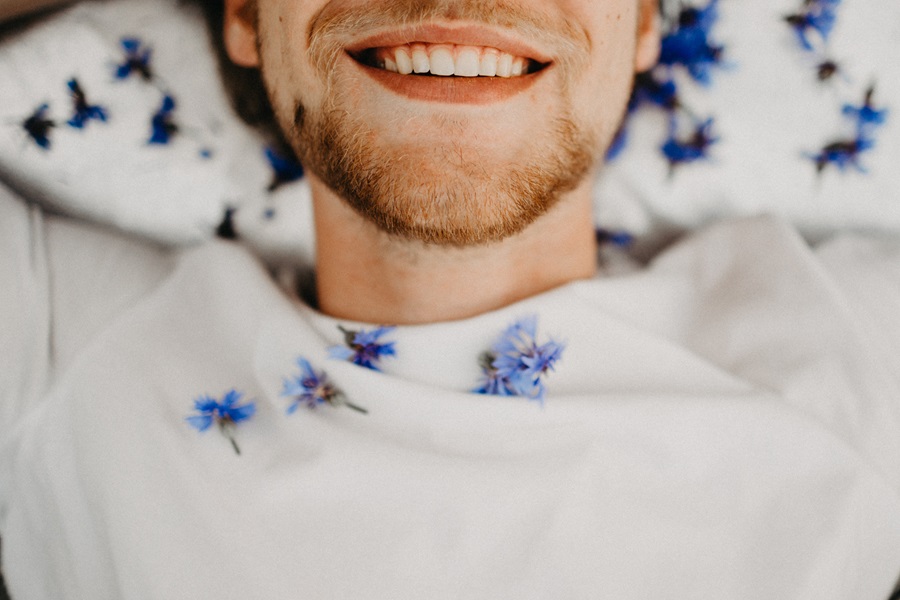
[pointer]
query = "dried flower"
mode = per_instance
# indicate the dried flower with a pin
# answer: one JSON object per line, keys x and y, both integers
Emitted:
{"x": 38, "y": 126}
{"x": 815, "y": 16}
{"x": 225, "y": 413}
{"x": 137, "y": 60}
{"x": 694, "y": 148}
{"x": 689, "y": 43}
{"x": 285, "y": 168}
{"x": 312, "y": 388}
{"x": 516, "y": 363}
{"x": 84, "y": 111}
{"x": 163, "y": 123}
{"x": 364, "y": 348}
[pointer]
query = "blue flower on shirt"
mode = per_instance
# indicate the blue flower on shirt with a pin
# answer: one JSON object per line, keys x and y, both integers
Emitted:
{"x": 84, "y": 111}
{"x": 226, "y": 413}
{"x": 137, "y": 60}
{"x": 689, "y": 43}
{"x": 516, "y": 364}
{"x": 364, "y": 348}
{"x": 312, "y": 388}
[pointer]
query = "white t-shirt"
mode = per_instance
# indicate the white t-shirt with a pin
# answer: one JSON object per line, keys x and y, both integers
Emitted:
{"x": 723, "y": 424}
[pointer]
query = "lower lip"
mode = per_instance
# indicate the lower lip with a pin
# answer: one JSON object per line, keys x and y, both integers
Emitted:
{"x": 452, "y": 90}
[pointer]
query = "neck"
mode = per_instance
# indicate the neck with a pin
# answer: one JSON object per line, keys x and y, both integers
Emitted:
{"x": 365, "y": 275}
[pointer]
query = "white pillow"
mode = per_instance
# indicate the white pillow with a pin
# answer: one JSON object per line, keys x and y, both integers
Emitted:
{"x": 178, "y": 192}
{"x": 771, "y": 115}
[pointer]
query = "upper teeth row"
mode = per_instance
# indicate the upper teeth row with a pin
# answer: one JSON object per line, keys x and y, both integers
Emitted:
{"x": 448, "y": 59}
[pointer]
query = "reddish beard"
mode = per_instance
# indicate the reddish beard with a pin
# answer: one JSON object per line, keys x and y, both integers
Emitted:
{"x": 448, "y": 194}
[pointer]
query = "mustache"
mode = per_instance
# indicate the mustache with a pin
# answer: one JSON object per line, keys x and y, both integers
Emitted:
{"x": 334, "y": 25}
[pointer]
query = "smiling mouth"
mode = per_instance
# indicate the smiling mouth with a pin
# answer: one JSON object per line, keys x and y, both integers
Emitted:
{"x": 448, "y": 60}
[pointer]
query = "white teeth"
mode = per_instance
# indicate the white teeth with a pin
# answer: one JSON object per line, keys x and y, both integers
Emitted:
{"x": 518, "y": 67}
{"x": 504, "y": 65}
{"x": 442, "y": 61}
{"x": 467, "y": 63}
{"x": 447, "y": 60}
{"x": 404, "y": 62}
{"x": 420, "y": 61}
{"x": 488, "y": 66}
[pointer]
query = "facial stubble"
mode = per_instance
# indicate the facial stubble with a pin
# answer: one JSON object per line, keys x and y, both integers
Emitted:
{"x": 449, "y": 194}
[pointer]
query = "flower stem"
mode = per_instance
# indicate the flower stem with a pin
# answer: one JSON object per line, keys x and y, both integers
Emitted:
{"x": 358, "y": 409}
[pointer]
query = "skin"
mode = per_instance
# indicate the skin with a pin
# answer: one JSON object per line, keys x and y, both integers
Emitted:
{"x": 16, "y": 8}
{"x": 473, "y": 201}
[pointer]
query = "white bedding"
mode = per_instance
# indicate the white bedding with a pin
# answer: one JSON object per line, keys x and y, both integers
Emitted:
{"x": 722, "y": 425}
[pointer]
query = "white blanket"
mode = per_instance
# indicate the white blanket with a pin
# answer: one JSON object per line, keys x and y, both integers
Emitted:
{"x": 725, "y": 424}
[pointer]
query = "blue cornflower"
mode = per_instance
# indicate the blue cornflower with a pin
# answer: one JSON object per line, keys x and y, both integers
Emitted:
{"x": 286, "y": 169}
{"x": 689, "y": 43}
{"x": 225, "y": 413}
{"x": 312, "y": 388}
{"x": 621, "y": 239}
{"x": 163, "y": 123}
{"x": 816, "y": 16}
{"x": 84, "y": 111}
{"x": 364, "y": 348}
{"x": 867, "y": 117}
{"x": 843, "y": 155}
{"x": 38, "y": 126}
{"x": 694, "y": 148}
{"x": 649, "y": 90}
{"x": 137, "y": 60}
{"x": 516, "y": 363}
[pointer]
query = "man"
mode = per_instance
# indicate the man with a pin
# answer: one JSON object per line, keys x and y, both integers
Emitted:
{"x": 724, "y": 425}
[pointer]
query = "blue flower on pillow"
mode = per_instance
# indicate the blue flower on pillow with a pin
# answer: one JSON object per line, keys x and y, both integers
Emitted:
{"x": 689, "y": 44}
{"x": 137, "y": 60}
{"x": 846, "y": 153}
{"x": 38, "y": 126}
{"x": 163, "y": 123}
{"x": 84, "y": 111}
{"x": 285, "y": 168}
{"x": 693, "y": 148}
{"x": 815, "y": 16}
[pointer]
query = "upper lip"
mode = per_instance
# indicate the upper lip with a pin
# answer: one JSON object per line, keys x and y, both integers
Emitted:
{"x": 459, "y": 34}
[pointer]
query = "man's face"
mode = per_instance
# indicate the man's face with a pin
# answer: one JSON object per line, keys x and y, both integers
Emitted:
{"x": 447, "y": 121}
